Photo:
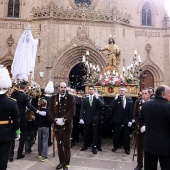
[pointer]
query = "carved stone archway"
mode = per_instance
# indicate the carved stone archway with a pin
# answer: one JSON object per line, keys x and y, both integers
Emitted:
{"x": 156, "y": 72}
{"x": 72, "y": 57}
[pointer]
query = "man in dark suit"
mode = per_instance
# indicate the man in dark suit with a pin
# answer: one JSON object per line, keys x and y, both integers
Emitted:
{"x": 9, "y": 118}
{"x": 90, "y": 111}
{"x": 62, "y": 109}
{"x": 76, "y": 125}
{"x": 23, "y": 101}
{"x": 122, "y": 119}
{"x": 155, "y": 114}
{"x": 139, "y": 136}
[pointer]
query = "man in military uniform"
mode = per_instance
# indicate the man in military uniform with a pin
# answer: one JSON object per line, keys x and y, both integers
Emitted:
{"x": 139, "y": 135}
{"x": 9, "y": 118}
{"x": 62, "y": 109}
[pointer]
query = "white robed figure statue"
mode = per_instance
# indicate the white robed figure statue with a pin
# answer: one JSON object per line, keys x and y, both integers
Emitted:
{"x": 25, "y": 56}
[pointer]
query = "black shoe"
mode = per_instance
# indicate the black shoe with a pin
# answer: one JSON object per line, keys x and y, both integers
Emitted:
{"x": 59, "y": 166}
{"x": 65, "y": 168}
{"x": 127, "y": 152}
{"x": 72, "y": 143}
{"x": 139, "y": 167}
{"x": 20, "y": 156}
{"x": 83, "y": 148}
{"x": 99, "y": 149}
{"x": 11, "y": 159}
{"x": 94, "y": 151}
{"x": 114, "y": 149}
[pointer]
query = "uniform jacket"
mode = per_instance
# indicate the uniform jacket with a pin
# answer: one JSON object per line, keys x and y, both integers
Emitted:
{"x": 23, "y": 101}
{"x": 91, "y": 113}
{"x": 63, "y": 109}
{"x": 155, "y": 114}
{"x": 8, "y": 111}
{"x": 120, "y": 114}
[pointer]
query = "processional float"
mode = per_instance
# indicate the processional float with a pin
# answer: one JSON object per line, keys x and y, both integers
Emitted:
{"x": 109, "y": 79}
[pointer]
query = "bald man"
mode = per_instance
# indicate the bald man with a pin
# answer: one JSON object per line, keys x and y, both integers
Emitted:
{"x": 62, "y": 109}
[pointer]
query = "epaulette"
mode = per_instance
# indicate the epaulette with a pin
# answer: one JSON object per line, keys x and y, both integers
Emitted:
{"x": 12, "y": 98}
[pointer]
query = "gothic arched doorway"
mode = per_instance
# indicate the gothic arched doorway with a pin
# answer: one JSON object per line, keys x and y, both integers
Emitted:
{"x": 76, "y": 77}
{"x": 149, "y": 80}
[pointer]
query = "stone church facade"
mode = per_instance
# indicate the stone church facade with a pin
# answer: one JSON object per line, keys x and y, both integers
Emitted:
{"x": 66, "y": 29}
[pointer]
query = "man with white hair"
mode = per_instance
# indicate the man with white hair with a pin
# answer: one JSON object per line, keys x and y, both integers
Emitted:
{"x": 122, "y": 120}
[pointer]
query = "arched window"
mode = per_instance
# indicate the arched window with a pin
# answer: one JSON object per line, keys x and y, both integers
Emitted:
{"x": 13, "y": 8}
{"x": 146, "y": 15}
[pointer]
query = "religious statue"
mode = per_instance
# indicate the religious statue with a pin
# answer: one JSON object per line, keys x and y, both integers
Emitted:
{"x": 113, "y": 53}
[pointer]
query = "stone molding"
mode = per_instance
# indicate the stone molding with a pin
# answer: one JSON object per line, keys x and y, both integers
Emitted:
{"x": 113, "y": 16}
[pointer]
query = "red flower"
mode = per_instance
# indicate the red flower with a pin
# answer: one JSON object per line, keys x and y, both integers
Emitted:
{"x": 103, "y": 76}
{"x": 106, "y": 83}
{"x": 110, "y": 79}
{"x": 117, "y": 83}
{"x": 125, "y": 83}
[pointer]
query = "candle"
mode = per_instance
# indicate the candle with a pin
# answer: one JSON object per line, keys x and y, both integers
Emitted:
{"x": 128, "y": 68}
{"x": 135, "y": 52}
{"x": 139, "y": 58}
{"x": 84, "y": 59}
{"x": 91, "y": 65}
{"x": 123, "y": 69}
{"x": 114, "y": 72}
{"x": 87, "y": 52}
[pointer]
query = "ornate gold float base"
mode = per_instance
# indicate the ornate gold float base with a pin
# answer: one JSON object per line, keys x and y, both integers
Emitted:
{"x": 111, "y": 91}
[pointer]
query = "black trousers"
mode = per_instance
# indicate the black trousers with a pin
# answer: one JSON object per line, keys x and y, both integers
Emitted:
{"x": 11, "y": 153}
{"x": 75, "y": 130}
{"x": 139, "y": 142}
{"x": 117, "y": 128}
{"x": 151, "y": 161}
{"x": 4, "y": 154}
{"x": 22, "y": 140}
{"x": 88, "y": 128}
{"x": 64, "y": 146}
{"x": 100, "y": 133}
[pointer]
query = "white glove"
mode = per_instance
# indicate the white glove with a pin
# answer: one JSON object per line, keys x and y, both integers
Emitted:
{"x": 133, "y": 120}
{"x": 97, "y": 96}
{"x": 42, "y": 113}
{"x": 17, "y": 137}
{"x": 129, "y": 124}
{"x": 81, "y": 121}
{"x": 59, "y": 121}
{"x": 142, "y": 129}
{"x": 116, "y": 97}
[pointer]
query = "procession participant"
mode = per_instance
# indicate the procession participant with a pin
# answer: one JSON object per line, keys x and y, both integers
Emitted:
{"x": 90, "y": 111}
{"x": 9, "y": 118}
{"x": 122, "y": 119}
{"x": 139, "y": 136}
{"x": 156, "y": 117}
{"x": 23, "y": 101}
{"x": 62, "y": 109}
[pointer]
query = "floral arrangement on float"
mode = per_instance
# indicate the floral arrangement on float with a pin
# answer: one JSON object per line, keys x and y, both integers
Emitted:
{"x": 114, "y": 79}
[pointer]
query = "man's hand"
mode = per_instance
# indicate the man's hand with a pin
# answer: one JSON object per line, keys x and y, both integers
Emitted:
{"x": 59, "y": 121}
{"x": 81, "y": 121}
{"x": 116, "y": 97}
{"x": 17, "y": 134}
{"x": 42, "y": 113}
{"x": 142, "y": 129}
{"x": 129, "y": 124}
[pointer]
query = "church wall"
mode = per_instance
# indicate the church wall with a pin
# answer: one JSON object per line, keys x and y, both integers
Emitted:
{"x": 56, "y": 35}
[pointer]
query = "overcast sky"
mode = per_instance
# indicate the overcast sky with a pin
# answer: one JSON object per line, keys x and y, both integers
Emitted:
{"x": 167, "y": 6}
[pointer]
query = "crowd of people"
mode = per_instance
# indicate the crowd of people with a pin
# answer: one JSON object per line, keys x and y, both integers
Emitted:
{"x": 65, "y": 111}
